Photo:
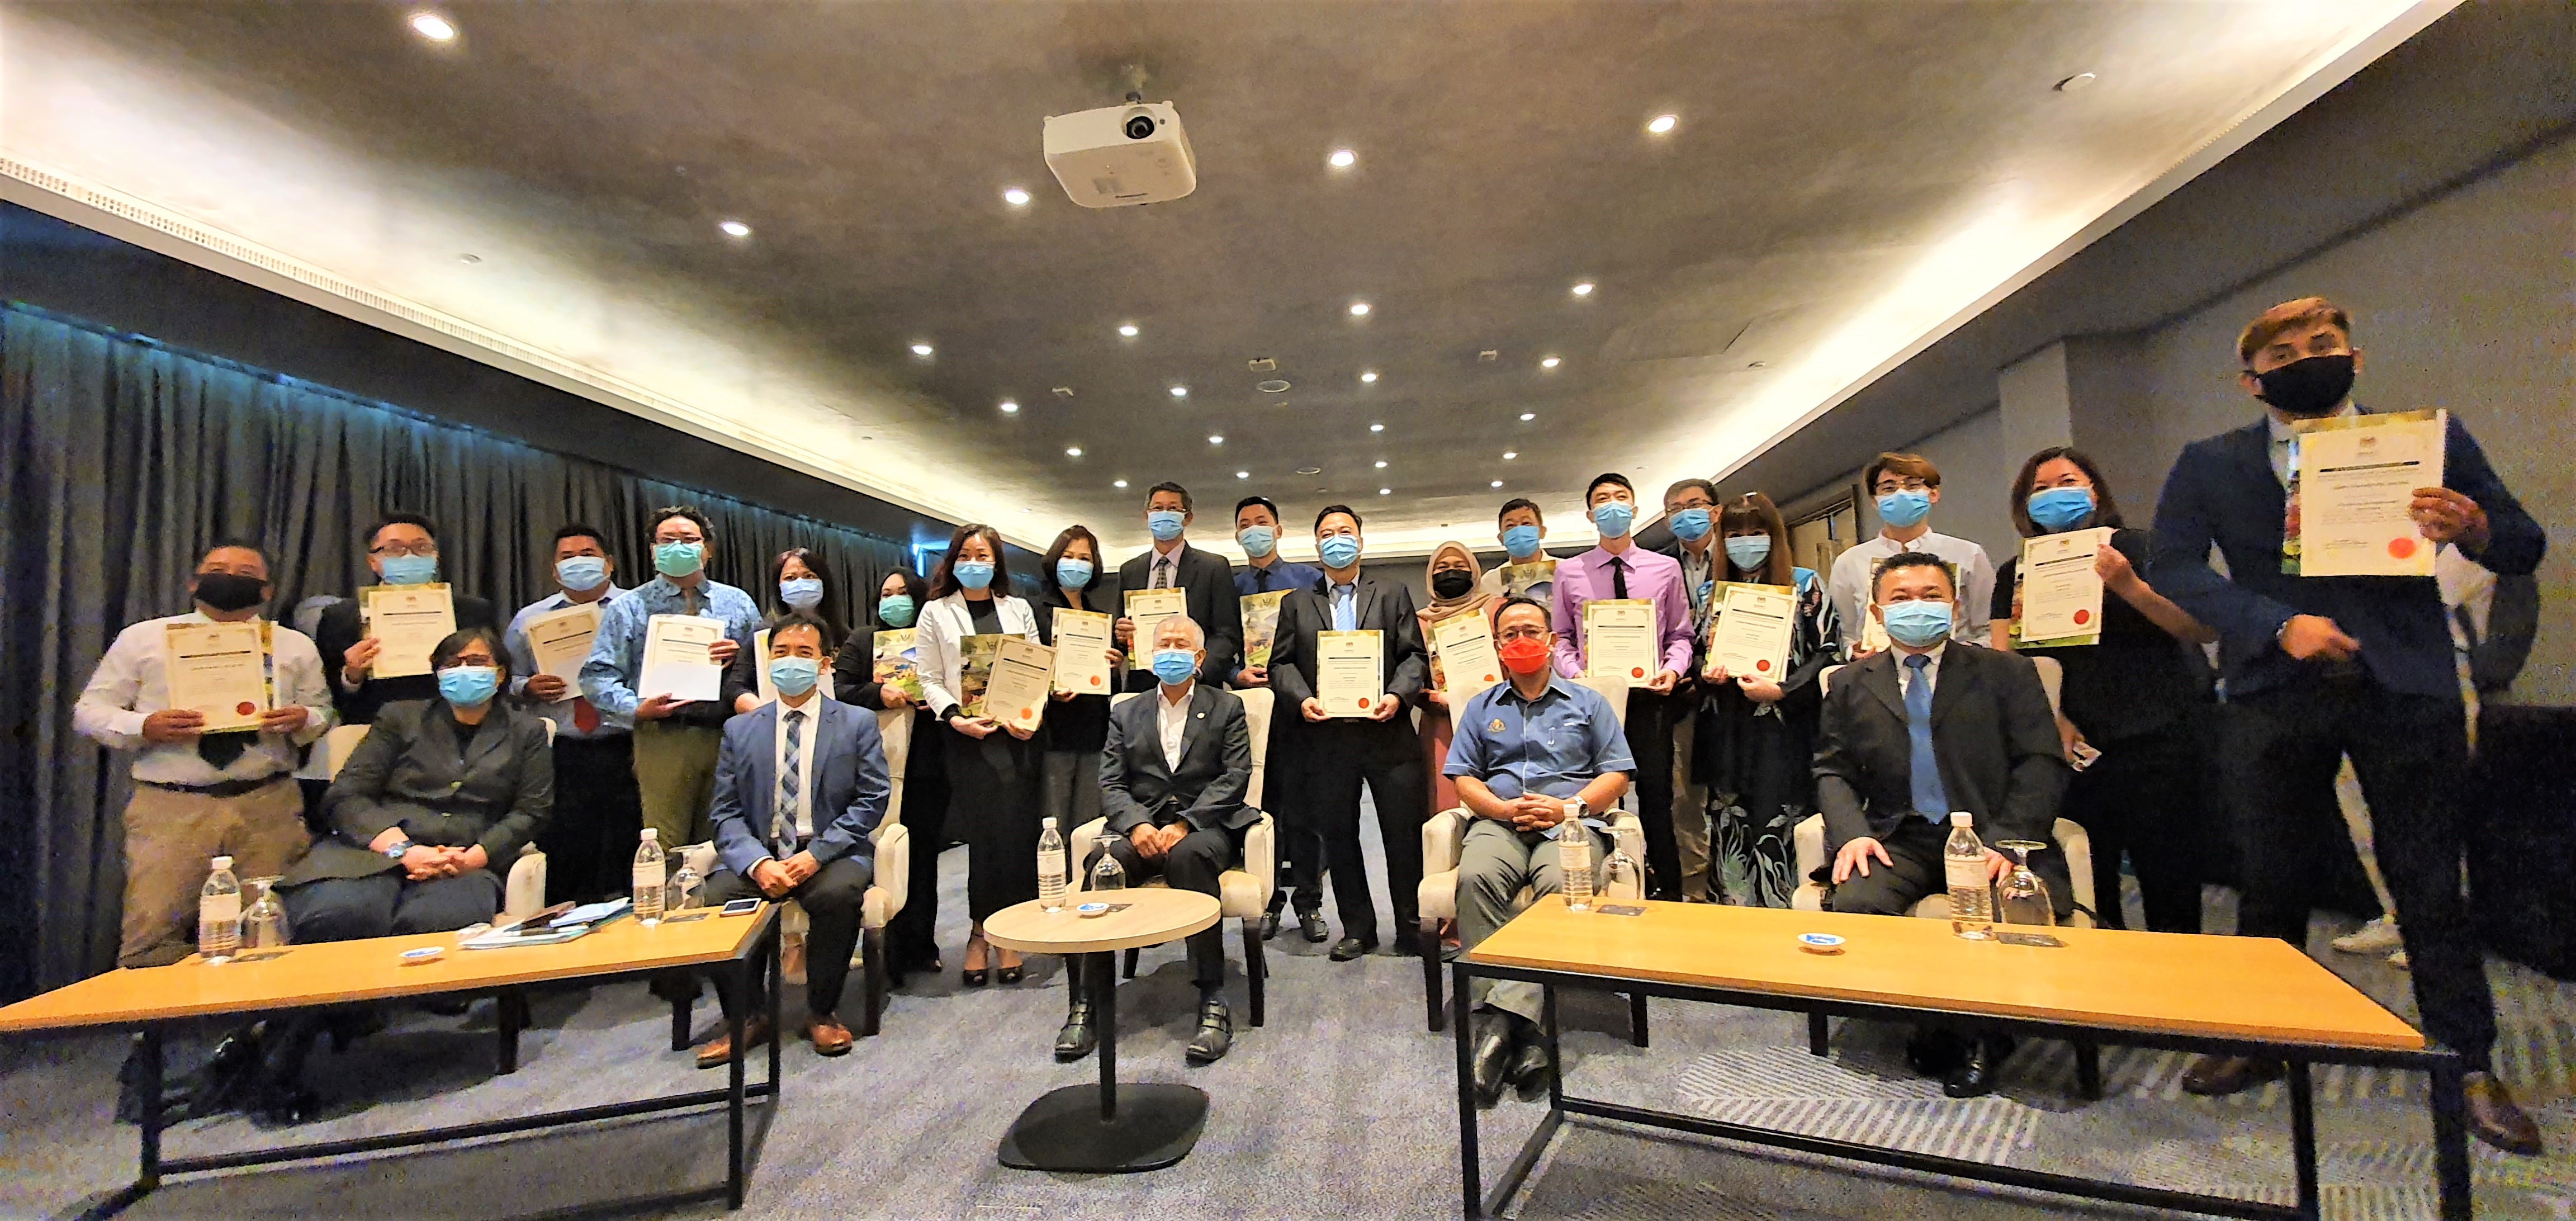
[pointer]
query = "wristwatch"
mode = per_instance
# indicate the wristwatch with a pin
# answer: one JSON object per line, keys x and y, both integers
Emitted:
{"x": 396, "y": 849}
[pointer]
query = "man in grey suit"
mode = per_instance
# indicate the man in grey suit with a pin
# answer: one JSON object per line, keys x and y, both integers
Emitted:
{"x": 800, "y": 786}
{"x": 1919, "y": 732}
{"x": 1172, "y": 782}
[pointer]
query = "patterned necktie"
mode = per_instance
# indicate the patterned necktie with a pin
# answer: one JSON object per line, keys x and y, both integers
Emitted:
{"x": 1618, "y": 577}
{"x": 1922, "y": 766}
{"x": 1162, "y": 572}
{"x": 782, "y": 815}
{"x": 1345, "y": 608}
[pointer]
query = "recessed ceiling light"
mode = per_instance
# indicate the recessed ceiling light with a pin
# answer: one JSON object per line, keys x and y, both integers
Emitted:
{"x": 1180, "y": 392}
{"x": 1759, "y": 364}
{"x": 1127, "y": 330}
{"x": 1117, "y": 483}
{"x": 1369, "y": 376}
{"x": 1073, "y": 451}
{"x": 1663, "y": 124}
{"x": 921, "y": 349}
{"x": 1497, "y": 483}
{"x": 734, "y": 228}
{"x": 1243, "y": 474}
{"x": 1310, "y": 470}
{"x": 1510, "y": 454}
{"x": 1359, "y": 309}
{"x": 1377, "y": 428}
{"x": 433, "y": 27}
{"x": 1386, "y": 491}
{"x": 469, "y": 259}
{"x": 1528, "y": 416}
{"x": 1016, "y": 197}
{"x": 1276, "y": 385}
{"x": 1381, "y": 464}
{"x": 2075, "y": 82}
{"x": 1342, "y": 159}
{"x": 1584, "y": 289}
{"x": 1216, "y": 439}
{"x": 1010, "y": 407}
{"x": 1550, "y": 363}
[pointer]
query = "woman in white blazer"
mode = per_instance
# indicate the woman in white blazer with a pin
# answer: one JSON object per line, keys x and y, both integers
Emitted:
{"x": 993, "y": 769}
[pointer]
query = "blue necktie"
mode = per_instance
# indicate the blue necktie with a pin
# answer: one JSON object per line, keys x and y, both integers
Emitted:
{"x": 1345, "y": 609}
{"x": 1921, "y": 764}
{"x": 782, "y": 819}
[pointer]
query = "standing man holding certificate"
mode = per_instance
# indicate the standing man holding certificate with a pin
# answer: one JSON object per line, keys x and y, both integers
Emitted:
{"x": 200, "y": 794}
{"x": 1343, "y": 745}
{"x": 1270, "y": 577}
{"x": 373, "y": 664}
{"x": 1206, "y": 582}
{"x": 1903, "y": 488}
{"x": 1690, "y": 512}
{"x": 2319, "y": 668}
{"x": 676, "y": 741}
{"x": 1620, "y": 571}
{"x": 597, "y": 810}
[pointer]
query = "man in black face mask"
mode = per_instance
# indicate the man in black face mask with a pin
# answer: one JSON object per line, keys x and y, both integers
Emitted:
{"x": 2323, "y": 667}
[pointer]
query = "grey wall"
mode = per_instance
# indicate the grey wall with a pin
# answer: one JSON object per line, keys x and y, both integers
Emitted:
{"x": 1975, "y": 473}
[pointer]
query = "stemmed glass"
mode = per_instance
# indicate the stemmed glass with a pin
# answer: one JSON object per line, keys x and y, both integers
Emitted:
{"x": 2023, "y": 898}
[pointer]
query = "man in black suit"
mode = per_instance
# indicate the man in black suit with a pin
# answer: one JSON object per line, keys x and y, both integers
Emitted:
{"x": 1343, "y": 747}
{"x": 1917, "y": 739}
{"x": 1172, "y": 781}
{"x": 401, "y": 550}
{"x": 2320, "y": 668}
{"x": 1206, "y": 578}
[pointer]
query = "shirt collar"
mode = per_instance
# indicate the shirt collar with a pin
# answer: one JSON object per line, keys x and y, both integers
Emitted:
{"x": 1555, "y": 687}
{"x": 2281, "y": 432}
{"x": 1189, "y": 690}
{"x": 1934, "y": 653}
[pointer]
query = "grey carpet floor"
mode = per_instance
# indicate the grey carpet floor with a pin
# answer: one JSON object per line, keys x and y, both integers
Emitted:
{"x": 1342, "y": 1106}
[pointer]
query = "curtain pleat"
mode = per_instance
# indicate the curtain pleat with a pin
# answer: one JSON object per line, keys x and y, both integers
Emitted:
{"x": 121, "y": 460}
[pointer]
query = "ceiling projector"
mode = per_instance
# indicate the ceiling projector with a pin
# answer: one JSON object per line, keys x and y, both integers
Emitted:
{"x": 1120, "y": 155}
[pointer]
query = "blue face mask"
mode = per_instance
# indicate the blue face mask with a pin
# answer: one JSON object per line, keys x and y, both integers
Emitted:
{"x": 1073, "y": 574}
{"x": 581, "y": 572}
{"x": 803, "y": 593}
{"x": 1175, "y": 666}
{"x": 410, "y": 569}
{"x": 468, "y": 686}
{"x": 678, "y": 559}
{"x": 1165, "y": 523}
{"x": 1918, "y": 624}
{"x": 1611, "y": 518}
{"x": 1904, "y": 509}
{"x": 895, "y": 609}
{"x": 1257, "y": 541}
{"x": 973, "y": 574}
{"x": 794, "y": 675}
{"x": 1690, "y": 525}
{"x": 1339, "y": 550}
{"x": 1521, "y": 541}
{"x": 1748, "y": 551}
{"x": 2055, "y": 509}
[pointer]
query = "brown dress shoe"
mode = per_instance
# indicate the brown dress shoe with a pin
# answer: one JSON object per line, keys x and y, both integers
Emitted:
{"x": 2218, "y": 1076}
{"x": 830, "y": 1037}
{"x": 2496, "y": 1120}
{"x": 719, "y": 1050}
{"x": 791, "y": 958}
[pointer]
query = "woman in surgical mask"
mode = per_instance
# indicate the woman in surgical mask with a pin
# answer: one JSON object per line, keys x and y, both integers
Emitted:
{"x": 886, "y": 645}
{"x": 798, "y": 581}
{"x": 1757, "y": 733}
{"x": 993, "y": 766}
{"x": 2129, "y": 693}
{"x": 1456, "y": 582}
{"x": 1077, "y": 726}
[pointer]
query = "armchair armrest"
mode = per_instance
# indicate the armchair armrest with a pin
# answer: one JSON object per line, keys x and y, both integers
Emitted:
{"x": 1441, "y": 836}
{"x": 1261, "y": 855}
{"x": 524, "y": 894}
{"x": 1808, "y": 846}
{"x": 893, "y": 873}
{"x": 1079, "y": 845}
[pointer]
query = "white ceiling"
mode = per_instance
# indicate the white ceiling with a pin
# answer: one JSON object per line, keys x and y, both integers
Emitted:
{"x": 1848, "y": 181}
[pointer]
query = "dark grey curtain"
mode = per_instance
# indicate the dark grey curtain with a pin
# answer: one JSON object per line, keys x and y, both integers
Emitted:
{"x": 120, "y": 460}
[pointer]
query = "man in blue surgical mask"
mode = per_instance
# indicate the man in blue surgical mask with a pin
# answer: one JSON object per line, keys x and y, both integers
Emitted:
{"x": 1301, "y": 855}
{"x": 1903, "y": 488}
{"x": 590, "y": 837}
{"x": 1205, "y": 578}
{"x": 401, "y": 550}
{"x": 1527, "y": 570}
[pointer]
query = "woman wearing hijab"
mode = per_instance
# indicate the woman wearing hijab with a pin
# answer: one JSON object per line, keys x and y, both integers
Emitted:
{"x": 1453, "y": 576}
{"x": 1757, "y": 738}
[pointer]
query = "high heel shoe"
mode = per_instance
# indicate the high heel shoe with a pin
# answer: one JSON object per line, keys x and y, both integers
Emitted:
{"x": 974, "y": 978}
{"x": 1008, "y": 975}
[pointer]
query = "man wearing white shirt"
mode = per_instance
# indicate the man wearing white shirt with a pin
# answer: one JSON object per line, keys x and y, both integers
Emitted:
{"x": 200, "y": 795}
{"x": 1905, "y": 487}
{"x": 598, "y": 809}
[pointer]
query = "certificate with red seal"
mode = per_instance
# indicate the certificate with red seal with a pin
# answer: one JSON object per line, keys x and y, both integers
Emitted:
{"x": 2059, "y": 592}
{"x": 219, "y": 670}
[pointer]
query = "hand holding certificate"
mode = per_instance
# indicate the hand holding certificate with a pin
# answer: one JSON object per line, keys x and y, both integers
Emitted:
{"x": 1751, "y": 634}
{"x": 2060, "y": 592}
{"x": 1619, "y": 640}
{"x": 676, "y": 658}
{"x": 407, "y": 621}
{"x": 561, "y": 641}
{"x": 1148, "y": 608}
{"x": 1082, "y": 651}
{"x": 896, "y": 661}
{"x": 1349, "y": 669}
{"x": 219, "y": 670}
{"x": 1468, "y": 664}
{"x": 2352, "y": 489}
{"x": 1015, "y": 694}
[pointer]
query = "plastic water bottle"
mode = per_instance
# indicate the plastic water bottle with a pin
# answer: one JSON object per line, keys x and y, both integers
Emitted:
{"x": 1108, "y": 874}
{"x": 1963, "y": 862}
{"x": 1574, "y": 858}
{"x": 219, "y": 909}
{"x": 683, "y": 891}
{"x": 648, "y": 881}
{"x": 1050, "y": 867}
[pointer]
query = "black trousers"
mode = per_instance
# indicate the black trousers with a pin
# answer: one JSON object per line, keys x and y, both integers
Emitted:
{"x": 912, "y": 936}
{"x": 388, "y": 905}
{"x": 832, "y": 900}
{"x": 2142, "y": 797}
{"x": 1195, "y": 863}
{"x": 1301, "y": 848}
{"x": 1339, "y": 757}
{"x": 2411, "y": 753}
{"x": 590, "y": 840}
{"x": 993, "y": 799}
{"x": 1914, "y": 847}
{"x": 1650, "y": 720}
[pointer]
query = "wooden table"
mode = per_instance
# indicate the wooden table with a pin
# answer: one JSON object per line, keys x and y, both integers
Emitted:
{"x": 1083, "y": 1128}
{"x": 342, "y": 972}
{"x": 2231, "y": 995}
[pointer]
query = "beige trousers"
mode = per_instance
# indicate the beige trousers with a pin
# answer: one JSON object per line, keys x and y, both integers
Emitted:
{"x": 675, "y": 771}
{"x": 170, "y": 841}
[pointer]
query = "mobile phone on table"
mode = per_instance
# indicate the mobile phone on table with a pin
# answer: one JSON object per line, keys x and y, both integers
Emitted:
{"x": 742, "y": 907}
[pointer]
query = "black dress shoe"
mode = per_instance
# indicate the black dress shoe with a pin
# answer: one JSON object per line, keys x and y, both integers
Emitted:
{"x": 1975, "y": 1077}
{"x": 1349, "y": 948}
{"x": 1269, "y": 925}
{"x": 2495, "y": 1119}
{"x": 1529, "y": 1065}
{"x": 1077, "y": 1039}
{"x": 2219, "y": 1076}
{"x": 1216, "y": 1033}
{"x": 1934, "y": 1053}
{"x": 1490, "y": 1054}
{"x": 1310, "y": 925}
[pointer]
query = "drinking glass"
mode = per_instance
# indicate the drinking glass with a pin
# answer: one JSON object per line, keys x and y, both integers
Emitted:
{"x": 263, "y": 923}
{"x": 2023, "y": 898}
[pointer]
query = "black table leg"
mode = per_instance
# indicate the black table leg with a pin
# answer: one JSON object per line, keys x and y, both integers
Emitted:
{"x": 1104, "y": 1009}
{"x": 509, "y": 1012}
{"x": 2303, "y": 1136}
{"x": 1819, "y": 1036}
{"x": 1547, "y": 1033}
{"x": 1470, "y": 1169}
{"x": 2451, "y": 1136}
{"x": 777, "y": 1032}
{"x": 1104, "y": 1128}
{"x": 737, "y": 984}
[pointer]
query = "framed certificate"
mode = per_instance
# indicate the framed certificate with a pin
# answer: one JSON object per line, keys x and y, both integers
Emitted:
{"x": 560, "y": 639}
{"x": 1022, "y": 678}
{"x": 1619, "y": 639}
{"x": 409, "y": 621}
{"x": 1751, "y": 633}
{"x": 896, "y": 660}
{"x": 2056, "y": 594}
{"x": 1260, "y": 626}
{"x": 676, "y": 662}
{"x": 1082, "y": 644}
{"x": 219, "y": 670}
{"x": 2352, "y": 494}
{"x": 1349, "y": 672}
{"x": 1463, "y": 645}
{"x": 1148, "y": 608}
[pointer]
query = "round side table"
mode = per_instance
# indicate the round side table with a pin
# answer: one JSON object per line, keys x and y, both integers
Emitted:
{"x": 1091, "y": 1129}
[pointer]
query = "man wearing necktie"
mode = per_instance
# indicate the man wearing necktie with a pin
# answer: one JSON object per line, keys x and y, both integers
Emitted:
{"x": 1913, "y": 734}
{"x": 1205, "y": 579}
{"x": 1301, "y": 855}
{"x": 590, "y": 840}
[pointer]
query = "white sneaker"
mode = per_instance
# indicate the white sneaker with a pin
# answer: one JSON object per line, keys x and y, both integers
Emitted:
{"x": 2378, "y": 936}
{"x": 2398, "y": 960}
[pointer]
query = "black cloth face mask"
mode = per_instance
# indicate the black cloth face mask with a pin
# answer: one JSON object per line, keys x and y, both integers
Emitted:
{"x": 2310, "y": 386}
{"x": 226, "y": 591}
{"x": 1451, "y": 583}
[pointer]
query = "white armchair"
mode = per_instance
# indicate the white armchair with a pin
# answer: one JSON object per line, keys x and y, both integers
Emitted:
{"x": 1244, "y": 893}
{"x": 523, "y": 893}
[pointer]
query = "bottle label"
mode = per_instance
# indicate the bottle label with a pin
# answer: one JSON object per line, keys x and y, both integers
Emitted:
{"x": 1966, "y": 871}
{"x": 219, "y": 909}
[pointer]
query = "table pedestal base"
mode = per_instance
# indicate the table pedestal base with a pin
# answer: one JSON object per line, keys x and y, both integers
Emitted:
{"x": 1156, "y": 1126}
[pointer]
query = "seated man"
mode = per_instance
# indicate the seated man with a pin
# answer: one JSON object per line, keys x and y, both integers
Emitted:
{"x": 800, "y": 786}
{"x": 1522, "y": 748}
{"x": 1172, "y": 779}
{"x": 1909, "y": 736}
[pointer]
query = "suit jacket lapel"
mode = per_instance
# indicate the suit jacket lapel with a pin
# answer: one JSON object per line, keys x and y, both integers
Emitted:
{"x": 438, "y": 735}
{"x": 1956, "y": 682}
{"x": 1363, "y": 603}
{"x": 1878, "y": 674}
{"x": 764, "y": 767}
{"x": 488, "y": 737}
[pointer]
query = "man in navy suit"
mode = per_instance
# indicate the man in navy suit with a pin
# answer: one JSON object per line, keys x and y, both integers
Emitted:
{"x": 2318, "y": 668}
{"x": 800, "y": 785}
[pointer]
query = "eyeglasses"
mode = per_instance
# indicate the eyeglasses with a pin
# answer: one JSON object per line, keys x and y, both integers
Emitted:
{"x": 1527, "y": 633}
{"x": 423, "y": 547}
{"x": 664, "y": 540}
{"x": 1910, "y": 485}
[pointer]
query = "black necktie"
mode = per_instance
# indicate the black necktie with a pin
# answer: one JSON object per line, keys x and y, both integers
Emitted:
{"x": 1618, "y": 577}
{"x": 220, "y": 749}
{"x": 1261, "y": 580}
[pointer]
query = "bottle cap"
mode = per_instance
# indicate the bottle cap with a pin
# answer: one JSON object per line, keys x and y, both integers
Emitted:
{"x": 1047, "y": 823}
{"x": 1962, "y": 818}
{"x": 223, "y": 862}
{"x": 650, "y": 835}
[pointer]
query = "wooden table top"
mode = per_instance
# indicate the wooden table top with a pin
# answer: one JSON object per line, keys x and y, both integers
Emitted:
{"x": 1155, "y": 914}
{"x": 2251, "y": 988}
{"x": 334, "y": 972}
